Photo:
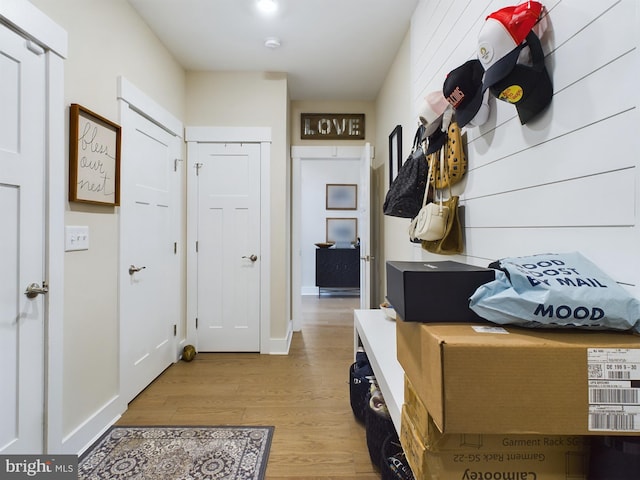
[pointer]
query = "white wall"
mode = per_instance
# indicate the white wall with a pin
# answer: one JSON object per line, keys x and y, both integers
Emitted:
{"x": 315, "y": 174}
{"x": 566, "y": 180}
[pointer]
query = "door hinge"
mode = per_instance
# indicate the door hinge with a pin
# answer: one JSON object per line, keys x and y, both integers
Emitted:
{"x": 175, "y": 164}
{"x": 196, "y": 322}
{"x": 175, "y": 247}
{"x": 196, "y": 246}
{"x": 175, "y": 330}
{"x": 34, "y": 47}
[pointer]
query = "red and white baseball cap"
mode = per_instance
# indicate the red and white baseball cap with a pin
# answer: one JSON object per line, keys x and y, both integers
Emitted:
{"x": 501, "y": 38}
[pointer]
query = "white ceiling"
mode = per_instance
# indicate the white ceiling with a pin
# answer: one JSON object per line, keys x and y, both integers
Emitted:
{"x": 330, "y": 49}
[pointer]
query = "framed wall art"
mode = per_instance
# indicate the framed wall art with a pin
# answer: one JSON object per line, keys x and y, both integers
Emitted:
{"x": 94, "y": 158}
{"x": 342, "y": 230}
{"x": 342, "y": 196}
{"x": 395, "y": 152}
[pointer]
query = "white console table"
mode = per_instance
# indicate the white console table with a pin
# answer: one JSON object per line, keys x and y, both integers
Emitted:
{"x": 377, "y": 335}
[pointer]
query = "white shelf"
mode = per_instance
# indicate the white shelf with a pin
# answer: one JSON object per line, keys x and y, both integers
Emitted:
{"x": 377, "y": 334}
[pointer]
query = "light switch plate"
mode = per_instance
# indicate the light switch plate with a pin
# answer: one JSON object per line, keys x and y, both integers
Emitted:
{"x": 76, "y": 238}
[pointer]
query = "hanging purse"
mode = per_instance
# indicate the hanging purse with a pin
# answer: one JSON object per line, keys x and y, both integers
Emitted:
{"x": 430, "y": 223}
{"x": 455, "y": 159}
{"x": 451, "y": 241}
{"x": 407, "y": 189}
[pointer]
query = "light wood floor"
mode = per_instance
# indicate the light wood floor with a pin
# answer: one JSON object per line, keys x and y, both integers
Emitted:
{"x": 305, "y": 395}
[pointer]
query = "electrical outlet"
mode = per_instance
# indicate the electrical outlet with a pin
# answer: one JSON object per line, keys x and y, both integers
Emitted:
{"x": 76, "y": 238}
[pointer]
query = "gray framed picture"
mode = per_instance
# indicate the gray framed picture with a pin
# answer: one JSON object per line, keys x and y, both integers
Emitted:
{"x": 342, "y": 230}
{"x": 342, "y": 196}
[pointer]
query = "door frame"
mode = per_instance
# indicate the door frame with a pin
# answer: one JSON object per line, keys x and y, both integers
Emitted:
{"x": 298, "y": 155}
{"x": 24, "y": 17}
{"x": 131, "y": 97}
{"x": 262, "y": 135}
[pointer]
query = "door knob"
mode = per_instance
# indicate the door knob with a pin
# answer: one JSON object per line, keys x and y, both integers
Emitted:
{"x": 133, "y": 269}
{"x": 251, "y": 257}
{"x": 34, "y": 290}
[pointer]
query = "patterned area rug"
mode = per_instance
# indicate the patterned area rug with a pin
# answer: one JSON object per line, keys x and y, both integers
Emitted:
{"x": 177, "y": 453}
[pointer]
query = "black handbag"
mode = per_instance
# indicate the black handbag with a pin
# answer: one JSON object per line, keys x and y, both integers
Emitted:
{"x": 405, "y": 195}
{"x": 360, "y": 376}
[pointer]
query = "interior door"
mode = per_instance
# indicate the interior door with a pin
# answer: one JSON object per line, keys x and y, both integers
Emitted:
{"x": 364, "y": 230}
{"x": 228, "y": 247}
{"x": 22, "y": 154}
{"x": 150, "y": 230}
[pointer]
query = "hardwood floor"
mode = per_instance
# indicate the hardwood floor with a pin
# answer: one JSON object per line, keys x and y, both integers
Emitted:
{"x": 305, "y": 395}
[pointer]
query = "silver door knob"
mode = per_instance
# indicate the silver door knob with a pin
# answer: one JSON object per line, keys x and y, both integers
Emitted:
{"x": 133, "y": 269}
{"x": 34, "y": 290}
{"x": 251, "y": 257}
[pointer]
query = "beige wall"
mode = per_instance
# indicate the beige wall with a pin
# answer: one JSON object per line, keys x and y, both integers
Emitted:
{"x": 229, "y": 99}
{"x": 393, "y": 107}
{"x": 106, "y": 40}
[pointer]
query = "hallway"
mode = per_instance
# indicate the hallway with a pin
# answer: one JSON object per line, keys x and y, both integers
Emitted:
{"x": 305, "y": 395}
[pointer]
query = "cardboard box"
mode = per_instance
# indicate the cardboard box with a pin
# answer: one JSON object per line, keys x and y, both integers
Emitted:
{"x": 436, "y": 441}
{"x": 454, "y": 457}
{"x": 435, "y": 291}
{"x": 490, "y": 379}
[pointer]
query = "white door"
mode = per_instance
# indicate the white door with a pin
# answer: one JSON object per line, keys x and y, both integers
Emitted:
{"x": 364, "y": 230}
{"x": 22, "y": 153}
{"x": 228, "y": 247}
{"x": 150, "y": 268}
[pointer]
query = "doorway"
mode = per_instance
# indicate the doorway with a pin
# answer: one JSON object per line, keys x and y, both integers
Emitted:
{"x": 151, "y": 240}
{"x": 38, "y": 137}
{"x": 313, "y": 169}
{"x": 235, "y": 158}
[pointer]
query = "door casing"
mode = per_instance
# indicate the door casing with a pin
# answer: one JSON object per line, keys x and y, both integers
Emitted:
{"x": 24, "y": 17}
{"x": 135, "y": 102}
{"x": 299, "y": 154}
{"x": 261, "y": 135}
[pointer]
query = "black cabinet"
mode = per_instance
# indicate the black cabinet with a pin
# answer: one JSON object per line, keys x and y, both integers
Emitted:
{"x": 337, "y": 268}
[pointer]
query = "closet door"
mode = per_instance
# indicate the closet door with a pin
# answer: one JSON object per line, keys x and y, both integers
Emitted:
{"x": 22, "y": 219}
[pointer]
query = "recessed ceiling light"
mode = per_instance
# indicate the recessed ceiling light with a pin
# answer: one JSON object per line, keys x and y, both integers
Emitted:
{"x": 267, "y": 6}
{"x": 272, "y": 42}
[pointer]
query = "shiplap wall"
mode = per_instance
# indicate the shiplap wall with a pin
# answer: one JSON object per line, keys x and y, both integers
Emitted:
{"x": 568, "y": 179}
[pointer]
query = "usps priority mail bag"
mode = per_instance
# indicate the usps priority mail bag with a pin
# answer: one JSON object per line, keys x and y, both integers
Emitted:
{"x": 556, "y": 290}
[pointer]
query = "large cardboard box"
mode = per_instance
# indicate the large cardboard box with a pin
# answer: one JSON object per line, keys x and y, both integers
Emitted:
{"x": 490, "y": 379}
{"x": 467, "y": 457}
{"x": 434, "y": 291}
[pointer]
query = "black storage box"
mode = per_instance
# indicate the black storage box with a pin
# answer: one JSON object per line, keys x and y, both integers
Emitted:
{"x": 435, "y": 291}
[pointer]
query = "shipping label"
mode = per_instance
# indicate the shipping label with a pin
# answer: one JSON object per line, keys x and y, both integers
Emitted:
{"x": 614, "y": 389}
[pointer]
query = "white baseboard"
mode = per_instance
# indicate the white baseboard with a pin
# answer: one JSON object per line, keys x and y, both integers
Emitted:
{"x": 280, "y": 346}
{"x": 91, "y": 429}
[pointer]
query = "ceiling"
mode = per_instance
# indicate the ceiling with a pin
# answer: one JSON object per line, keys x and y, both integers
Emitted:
{"x": 330, "y": 49}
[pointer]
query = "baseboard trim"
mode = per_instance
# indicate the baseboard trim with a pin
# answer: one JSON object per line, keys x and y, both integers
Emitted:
{"x": 280, "y": 346}
{"x": 90, "y": 430}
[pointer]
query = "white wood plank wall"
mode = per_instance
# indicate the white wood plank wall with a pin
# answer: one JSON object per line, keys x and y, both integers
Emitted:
{"x": 568, "y": 179}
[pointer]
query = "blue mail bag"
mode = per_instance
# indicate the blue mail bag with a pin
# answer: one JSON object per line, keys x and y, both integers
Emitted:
{"x": 553, "y": 291}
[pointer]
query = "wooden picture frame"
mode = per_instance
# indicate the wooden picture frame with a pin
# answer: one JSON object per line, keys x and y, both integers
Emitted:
{"x": 342, "y": 196}
{"x": 342, "y": 230}
{"x": 94, "y": 158}
{"x": 395, "y": 153}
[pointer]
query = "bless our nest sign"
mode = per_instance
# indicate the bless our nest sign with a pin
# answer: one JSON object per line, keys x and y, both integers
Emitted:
{"x": 332, "y": 126}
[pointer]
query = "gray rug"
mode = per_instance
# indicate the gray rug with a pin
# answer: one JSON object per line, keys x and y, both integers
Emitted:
{"x": 178, "y": 453}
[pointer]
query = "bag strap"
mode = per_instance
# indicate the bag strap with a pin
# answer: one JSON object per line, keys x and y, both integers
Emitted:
{"x": 417, "y": 139}
{"x": 426, "y": 188}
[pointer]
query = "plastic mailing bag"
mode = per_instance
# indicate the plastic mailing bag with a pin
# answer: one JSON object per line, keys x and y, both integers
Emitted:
{"x": 556, "y": 290}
